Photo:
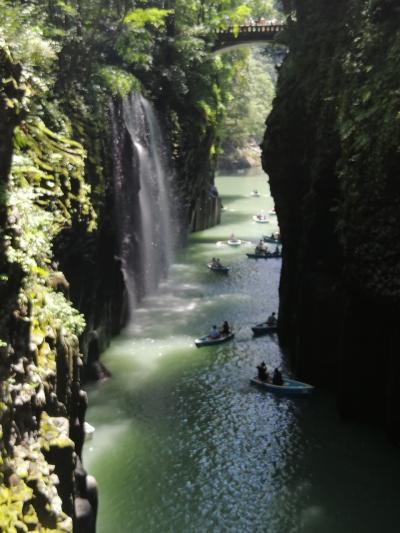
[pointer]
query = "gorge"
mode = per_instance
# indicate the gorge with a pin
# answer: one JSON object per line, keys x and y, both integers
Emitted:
{"x": 114, "y": 115}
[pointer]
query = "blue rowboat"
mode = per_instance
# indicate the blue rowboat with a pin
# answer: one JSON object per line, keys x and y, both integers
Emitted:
{"x": 208, "y": 341}
{"x": 272, "y": 240}
{"x": 268, "y": 255}
{"x": 289, "y": 387}
{"x": 221, "y": 269}
{"x": 264, "y": 328}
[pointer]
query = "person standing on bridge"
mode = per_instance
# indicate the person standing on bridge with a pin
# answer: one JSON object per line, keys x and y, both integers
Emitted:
{"x": 227, "y": 20}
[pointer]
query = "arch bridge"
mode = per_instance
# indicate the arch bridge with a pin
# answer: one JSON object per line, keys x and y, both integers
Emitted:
{"x": 244, "y": 35}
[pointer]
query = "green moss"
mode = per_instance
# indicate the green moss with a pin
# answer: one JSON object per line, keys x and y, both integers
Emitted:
{"x": 54, "y": 433}
{"x": 54, "y": 166}
{"x": 18, "y": 497}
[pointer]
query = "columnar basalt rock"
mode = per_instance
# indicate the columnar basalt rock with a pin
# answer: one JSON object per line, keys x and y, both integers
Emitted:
{"x": 206, "y": 212}
{"x": 86, "y": 501}
{"x": 39, "y": 449}
{"x": 331, "y": 151}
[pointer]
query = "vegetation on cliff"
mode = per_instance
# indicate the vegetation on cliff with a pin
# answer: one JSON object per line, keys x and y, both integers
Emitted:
{"x": 43, "y": 191}
{"x": 337, "y": 196}
{"x": 249, "y": 101}
{"x": 60, "y": 63}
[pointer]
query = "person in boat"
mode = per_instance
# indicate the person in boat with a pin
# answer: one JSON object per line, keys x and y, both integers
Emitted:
{"x": 272, "y": 320}
{"x": 226, "y": 329}
{"x": 263, "y": 249}
{"x": 262, "y": 372}
{"x": 260, "y": 248}
{"x": 213, "y": 262}
{"x": 214, "y": 334}
{"x": 277, "y": 377}
{"x": 218, "y": 262}
{"x": 277, "y": 252}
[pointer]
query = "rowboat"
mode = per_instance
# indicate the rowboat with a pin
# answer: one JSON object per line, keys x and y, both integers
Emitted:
{"x": 208, "y": 341}
{"x": 289, "y": 387}
{"x": 234, "y": 242}
{"x": 261, "y": 219}
{"x": 272, "y": 240}
{"x": 264, "y": 328}
{"x": 259, "y": 256}
{"x": 267, "y": 255}
{"x": 215, "y": 268}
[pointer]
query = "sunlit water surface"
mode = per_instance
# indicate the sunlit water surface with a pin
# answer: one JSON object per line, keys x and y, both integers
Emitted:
{"x": 183, "y": 443}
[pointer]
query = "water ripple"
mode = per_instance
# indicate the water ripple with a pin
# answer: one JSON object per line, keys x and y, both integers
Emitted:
{"x": 184, "y": 443}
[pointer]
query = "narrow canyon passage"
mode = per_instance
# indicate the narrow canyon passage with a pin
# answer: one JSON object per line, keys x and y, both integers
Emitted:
{"x": 183, "y": 443}
{"x": 115, "y": 116}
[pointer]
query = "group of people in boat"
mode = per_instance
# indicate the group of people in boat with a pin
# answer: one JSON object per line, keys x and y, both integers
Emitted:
{"x": 216, "y": 263}
{"x": 263, "y": 375}
{"x": 216, "y": 333}
{"x": 262, "y": 249}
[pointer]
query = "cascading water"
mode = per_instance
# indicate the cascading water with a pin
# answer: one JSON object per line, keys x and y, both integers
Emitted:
{"x": 142, "y": 197}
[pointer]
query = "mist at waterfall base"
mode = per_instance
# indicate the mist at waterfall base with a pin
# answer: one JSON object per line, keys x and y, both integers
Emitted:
{"x": 142, "y": 183}
{"x": 185, "y": 444}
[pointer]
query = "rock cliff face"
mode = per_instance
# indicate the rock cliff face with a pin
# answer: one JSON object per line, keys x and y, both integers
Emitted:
{"x": 91, "y": 261}
{"x": 42, "y": 428}
{"x": 195, "y": 162}
{"x": 331, "y": 151}
{"x": 42, "y": 406}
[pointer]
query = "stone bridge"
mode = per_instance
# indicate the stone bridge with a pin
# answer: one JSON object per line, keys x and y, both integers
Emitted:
{"x": 252, "y": 34}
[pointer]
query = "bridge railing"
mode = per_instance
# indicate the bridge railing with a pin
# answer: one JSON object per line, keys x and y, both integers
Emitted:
{"x": 250, "y": 29}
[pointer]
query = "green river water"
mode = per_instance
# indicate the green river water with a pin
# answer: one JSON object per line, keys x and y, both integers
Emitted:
{"x": 184, "y": 443}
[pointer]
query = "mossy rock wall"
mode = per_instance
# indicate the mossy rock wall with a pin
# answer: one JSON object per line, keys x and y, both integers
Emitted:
{"x": 42, "y": 406}
{"x": 331, "y": 151}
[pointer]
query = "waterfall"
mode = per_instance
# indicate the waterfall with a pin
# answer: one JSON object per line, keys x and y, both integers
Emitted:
{"x": 143, "y": 199}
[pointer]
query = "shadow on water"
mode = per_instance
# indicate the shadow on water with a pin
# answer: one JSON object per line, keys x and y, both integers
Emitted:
{"x": 232, "y": 198}
{"x": 236, "y": 218}
{"x": 200, "y": 238}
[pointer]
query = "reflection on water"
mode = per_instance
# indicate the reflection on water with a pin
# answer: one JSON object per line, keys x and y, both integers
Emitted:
{"x": 183, "y": 443}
